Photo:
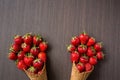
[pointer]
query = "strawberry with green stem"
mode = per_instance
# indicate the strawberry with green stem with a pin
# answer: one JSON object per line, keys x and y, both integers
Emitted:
{"x": 43, "y": 46}
{"x": 28, "y": 59}
{"x": 75, "y": 56}
{"x": 18, "y": 39}
{"x": 38, "y": 64}
{"x": 34, "y": 51}
{"x": 71, "y": 48}
{"x": 91, "y": 51}
{"x": 80, "y": 67}
{"x": 98, "y": 46}
{"x": 37, "y": 39}
{"x": 83, "y": 38}
{"x": 91, "y": 41}
{"x": 28, "y": 38}
{"x": 82, "y": 48}
{"x": 75, "y": 41}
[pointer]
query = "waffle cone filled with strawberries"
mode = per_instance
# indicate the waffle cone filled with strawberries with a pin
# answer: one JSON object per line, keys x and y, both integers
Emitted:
{"x": 85, "y": 52}
{"x": 29, "y": 54}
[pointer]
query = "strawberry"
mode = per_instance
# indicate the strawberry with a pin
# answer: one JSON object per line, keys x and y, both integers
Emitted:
{"x": 25, "y": 47}
{"x": 93, "y": 60}
{"x": 21, "y": 55}
{"x": 15, "y": 48}
{"x": 80, "y": 67}
{"x": 84, "y": 59}
{"x": 32, "y": 69}
{"x": 82, "y": 48}
{"x": 43, "y": 46}
{"x": 88, "y": 67}
{"x": 12, "y": 56}
{"x": 71, "y": 48}
{"x": 100, "y": 55}
{"x": 34, "y": 51}
{"x": 91, "y": 41}
{"x": 83, "y": 38}
{"x": 98, "y": 46}
{"x": 37, "y": 63}
{"x": 37, "y": 39}
{"x": 42, "y": 56}
{"x": 28, "y": 59}
{"x": 75, "y": 56}
{"x": 21, "y": 65}
{"x": 28, "y": 38}
{"x": 75, "y": 41}
{"x": 18, "y": 39}
{"x": 91, "y": 51}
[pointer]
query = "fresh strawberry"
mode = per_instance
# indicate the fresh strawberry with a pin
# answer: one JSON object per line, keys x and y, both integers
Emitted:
{"x": 98, "y": 46}
{"x": 75, "y": 56}
{"x": 12, "y": 56}
{"x": 25, "y": 47}
{"x": 82, "y": 48}
{"x": 21, "y": 55}
{"x": 93, "y": 60}
{"x": 71, "y": 48}
{"x": 37, "y": 63}
{"x": 34, "y": 51}
{"x": 28, "y": 59}
{"x": 84, "y": 59}
{"x": 83, "y": 38}
{"x": 21, "y": 65}
{"x": 42, "y": 56}
{"x": 80, "y": 67}
{"x": 75, "y": 41}
{"x": 15, "y": 48}
{"x": 37, "y": 39}
{"x": 28, "y": 38}
{"x": 91, "y": 51}
{"x": 32, "y": 69}
{"x": 91, "y": 41}
{"x": 100, "y": 55}
{"x": 43, "y": 46}
{"x": 88, "y": 67}
{"x": 18, "y": 39}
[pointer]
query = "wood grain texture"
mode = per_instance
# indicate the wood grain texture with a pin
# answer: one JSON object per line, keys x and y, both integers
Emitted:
{"x": 58, "y": 21}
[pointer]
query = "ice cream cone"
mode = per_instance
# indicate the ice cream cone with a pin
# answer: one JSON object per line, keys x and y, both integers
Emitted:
{"x": 40, "y": 76}
{"x": 76, "y": 75}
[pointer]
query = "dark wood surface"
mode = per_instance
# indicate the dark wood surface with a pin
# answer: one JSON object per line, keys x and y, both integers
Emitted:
{"x": 58, "y": 21}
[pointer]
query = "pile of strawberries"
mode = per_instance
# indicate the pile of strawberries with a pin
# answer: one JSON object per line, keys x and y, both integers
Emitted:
{"x": 85, "y": 52}
{"x": 29, "y": 52}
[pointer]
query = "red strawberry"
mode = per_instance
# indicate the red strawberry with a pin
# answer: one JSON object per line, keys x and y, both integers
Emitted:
{"x": 100, "y": 55}
{"x": 37, "y": 63}
{"x": 28, "y": 38}
{"x": 43, "y": 46}
{"x": 28, "y": 60}
{"x": 75, "y": 41}
{"x": 75, "y": 56}
{"x": 37, "y": 39}
{"x": 88, "y": 67}
{"x": 80, "y": 67}
{"x": 21, "y": 55}
{"x": 42, "y": 56}
{"x": 15, "y": 48}
{"x": 25, "y": 47}
{"x": 71, "y": 48}
{"x": 18, "y": 39}
{"x": 21, "y": 65}
{"x": 98, "y": 46}
{"x": 91, "y": 51}
{"x": 12, "y": 56}
{"x": 93, "y": 60}
{"x": 82, "y": 49}
{"x": 84, "y": 38}
{"x": 32, "y": 69}
{"x": 84, "y": 59}
{"x": 34, "y": 51}
{"x": 91, "y": 41}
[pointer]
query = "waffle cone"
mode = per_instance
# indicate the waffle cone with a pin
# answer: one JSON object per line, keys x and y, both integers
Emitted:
{"x": 76, "y": 75}
{"x": 41, "y": 76}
